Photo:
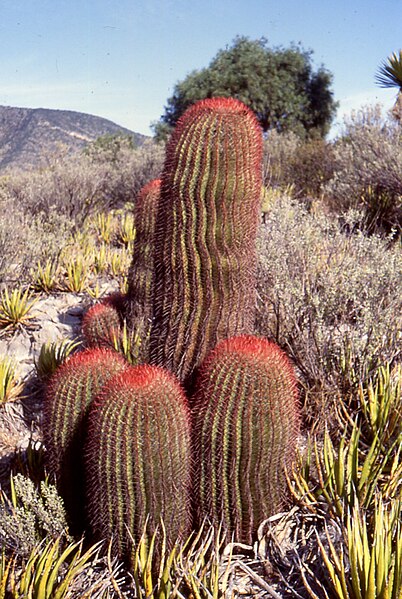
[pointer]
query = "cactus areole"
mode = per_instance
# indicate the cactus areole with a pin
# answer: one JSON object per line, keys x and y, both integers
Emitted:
{"x": 246, "y": 422}
{"x": 205, "y": 256}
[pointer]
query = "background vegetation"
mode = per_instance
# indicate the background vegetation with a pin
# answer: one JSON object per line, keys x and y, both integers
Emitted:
{"x": 329, "y": 292}
{"x": 278, "y": 84}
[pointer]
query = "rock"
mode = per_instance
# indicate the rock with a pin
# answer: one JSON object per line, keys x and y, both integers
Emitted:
{"x": 55, "y": 317}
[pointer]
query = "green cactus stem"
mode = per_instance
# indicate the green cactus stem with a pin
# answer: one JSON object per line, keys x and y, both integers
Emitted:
{"x": 205, "y": 257}
{"x": 68, "y": 396}
{"x": 246, "y": 422}
{"x": 138, "y": 458}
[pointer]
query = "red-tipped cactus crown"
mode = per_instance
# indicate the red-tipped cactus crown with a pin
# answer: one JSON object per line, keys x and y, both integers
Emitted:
{"x": 101, "y": 325}
{"x": 70, "y": 392}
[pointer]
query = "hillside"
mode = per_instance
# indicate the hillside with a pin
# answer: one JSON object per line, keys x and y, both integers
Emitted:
{"x": 30, "y": 136}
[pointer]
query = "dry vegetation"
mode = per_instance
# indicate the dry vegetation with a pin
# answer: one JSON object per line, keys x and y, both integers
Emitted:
{"x": 330, "y": 293}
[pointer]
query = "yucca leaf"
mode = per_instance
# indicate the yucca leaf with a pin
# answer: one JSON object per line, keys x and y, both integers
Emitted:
{"x": 390, "y": 72}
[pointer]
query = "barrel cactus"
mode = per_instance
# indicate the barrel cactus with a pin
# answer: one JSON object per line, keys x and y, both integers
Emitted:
{"x": 68, "y": 396}
{"x": 101, "y": 325}
{"x": 205, "y": 236}
{"x": 138, "y": 458}
{"x": 246, "y": 421}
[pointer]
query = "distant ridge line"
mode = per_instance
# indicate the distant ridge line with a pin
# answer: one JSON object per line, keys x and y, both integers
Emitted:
{"x": 29, "y": 136}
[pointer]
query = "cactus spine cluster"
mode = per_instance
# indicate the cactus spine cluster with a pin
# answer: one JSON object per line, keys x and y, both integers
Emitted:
{"x": 205, "y": 256}
{"x": 70, "y": 392}
{"x": 138, "y": 457}
{"x": 245, "y": 427}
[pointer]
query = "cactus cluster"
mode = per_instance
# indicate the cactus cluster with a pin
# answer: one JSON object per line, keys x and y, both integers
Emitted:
{"x": 192, "y": 277}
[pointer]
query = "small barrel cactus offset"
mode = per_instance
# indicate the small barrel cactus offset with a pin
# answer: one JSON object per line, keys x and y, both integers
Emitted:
{"x": 138, "y": 458}
{"x": 68, "y": 396}
{"x": 138, "y": 311}
{"x": 101, "y": 325}
{"x": 205, "y": 257}
{"x": 246, "y": 422}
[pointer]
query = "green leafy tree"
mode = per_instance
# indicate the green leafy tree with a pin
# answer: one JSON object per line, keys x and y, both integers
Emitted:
{"x": 108, "y": 147}
{"x": 390, "y": 75}
{"x": 278, "y": 84}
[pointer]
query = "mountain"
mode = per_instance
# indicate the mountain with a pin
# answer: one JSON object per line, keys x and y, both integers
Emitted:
{"x": 30, "y": 136}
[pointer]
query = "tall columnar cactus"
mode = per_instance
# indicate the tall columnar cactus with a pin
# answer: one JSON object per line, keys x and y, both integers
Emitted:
{"x": 139, "y": 298}
{"x": 68, "y": 396}
{"x": 246, "y": 421}
{"x": 138, "y": 458}
{"x": 204, "y": 283}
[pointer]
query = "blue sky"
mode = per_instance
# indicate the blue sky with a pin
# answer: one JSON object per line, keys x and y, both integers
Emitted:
{"x": 120, "y": 59}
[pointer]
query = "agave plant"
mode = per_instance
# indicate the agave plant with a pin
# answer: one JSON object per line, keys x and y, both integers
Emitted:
{"x": 10, "y": 385}
{"x": 370, "y": 564}
{"x": 15, "y": 308}
{"x": 390, "y": 75}
{"x": 52, "y": 354}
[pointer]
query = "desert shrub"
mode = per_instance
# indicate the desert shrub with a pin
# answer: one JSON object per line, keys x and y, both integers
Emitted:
{"x": 368, "y": 171}
{"x": 306, "y": 165}
{"x": 128, "y": 168}
{"x": 332, "y": 299}
{"x": 311, "y": 167}
{"x": 73, "y": 188}
{"x": 279, "y": 151}
{"x": 27, "y": 238}
{"x": 77, "y": 186}
{"x": 46, "y": 207}
{"x": 30, "y": 516}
